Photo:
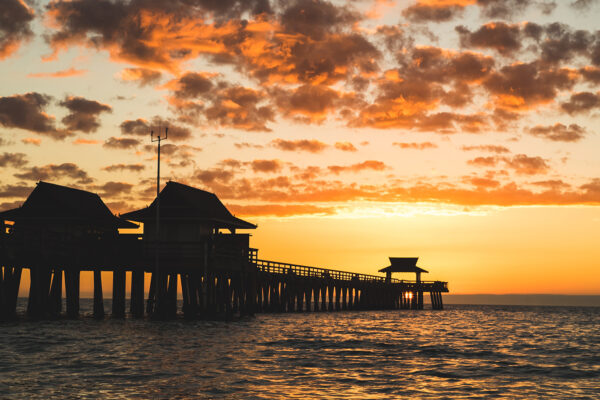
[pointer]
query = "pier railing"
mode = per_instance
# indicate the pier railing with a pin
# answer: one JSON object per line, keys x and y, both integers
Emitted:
{"x": 276, "y": 267}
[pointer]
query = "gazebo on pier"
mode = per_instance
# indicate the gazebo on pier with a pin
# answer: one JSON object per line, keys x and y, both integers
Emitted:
{"x": 407, "y": 264}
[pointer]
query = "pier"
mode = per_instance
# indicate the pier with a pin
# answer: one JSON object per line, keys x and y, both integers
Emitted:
{"x": 198, "y": 256}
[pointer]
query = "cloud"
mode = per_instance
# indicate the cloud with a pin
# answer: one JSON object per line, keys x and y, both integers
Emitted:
{"x": 505, "y": 38}
{"x": 212, "y": 175}
{"x": 142, "y": 76}
{"x": 15, "y": 21}
{"x": 54, "y": 171}
{"x": 246, "y": 145}
{"x": 308, "y": 145}
{"x": 581, "y": 102}
{"x": 15, "y": 160}
{"x": 59, "y": 74}
{"x": 425, "y": 11}
{"x": 200, "y": 101}
{"x": 559, "y": 132}
{"x": 85, "y": 141}
{"x": 416, "y": 146}
{"x": 523, "y": 164}
{"x": 279, "y": 210}
{"x": 484, "y": 161}
{"x": 345, "y": 146}
{"x": 141, "y": 127}
{"x": 33, "y": 141}
{"x": 112, "y": 189}
{"x": 520, "y": 163}
{"x": 488, "y": 148}
{"x": 269, "y": 166}
{"x": 120, "y": 143}
{"x": 83, "y": 116}
{"x": 124, "y": 167}
{"x": 11, "y": 191}
{"x": 372, "y": 165}
{"x": 519, "y": 86}
{"x": 26, "y": 111}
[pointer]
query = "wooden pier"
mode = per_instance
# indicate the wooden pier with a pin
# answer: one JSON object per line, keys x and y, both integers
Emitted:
{"x": 60, "y": 232}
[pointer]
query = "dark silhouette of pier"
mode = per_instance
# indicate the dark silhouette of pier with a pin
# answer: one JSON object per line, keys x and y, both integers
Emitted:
{"x": 60, "y": 232}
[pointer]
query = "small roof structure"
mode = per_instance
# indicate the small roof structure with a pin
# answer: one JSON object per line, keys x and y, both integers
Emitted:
{"x": 180, "y": 202}
{"x": 49, "y": 203}
{"x": 403, "y": 264}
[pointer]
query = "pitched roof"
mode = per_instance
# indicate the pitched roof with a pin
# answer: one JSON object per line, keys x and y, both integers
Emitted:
{"x": 403, "y": 264}
{"x": 55, "y": 203}
{"x": 186, "y": 203}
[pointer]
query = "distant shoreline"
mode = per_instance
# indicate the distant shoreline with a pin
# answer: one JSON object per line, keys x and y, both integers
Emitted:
{"x": 524, "y": 299}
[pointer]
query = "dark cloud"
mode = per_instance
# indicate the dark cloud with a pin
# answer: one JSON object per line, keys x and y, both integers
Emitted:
{"x": 562, "y": 43}
{"x": 559, "y": 132}
{"x": 10, "y": 191}
{"x": 523, "y": 164}
{"x": 316, "y": 18}
{"x": 200, "y": 101}
{"x": 15, "y": 21}
{"x": 523, "y": 86}
{"x": 504, "y": 9}
{"x": 309, "y": 145}
{"x": 591, "y": 74}
{"x": 520, "y": 163}
{"x": 246, "y": 145}
{"x": 581, "y": 102}
{"x": 53, "y": 171}
{"x": 83, "y": 116}
{"x": 500, "y": 36}
{"x": 436, "y": 13}
{"x": 112, "y": 189}
{"x": 552, "y": 184}
{"x": 141, "y": 127}
{"x": 15, "y": 160}
{"x": 124, "y": 167}
{"x": 270, "y": 166}
{"x": 121, "y": 143}
{"x": 27, "y": 111}
{"x": 214, "y": 175}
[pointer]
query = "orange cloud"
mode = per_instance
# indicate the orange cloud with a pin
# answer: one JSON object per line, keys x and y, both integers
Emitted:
{"x": 59, "y": 74}
{"x": 33, "y": 141}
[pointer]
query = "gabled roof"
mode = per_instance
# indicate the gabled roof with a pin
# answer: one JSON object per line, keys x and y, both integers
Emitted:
{"x": 50, "y": 203}
{"x": 403, "y": 264}
{"x": 186, "y": 203}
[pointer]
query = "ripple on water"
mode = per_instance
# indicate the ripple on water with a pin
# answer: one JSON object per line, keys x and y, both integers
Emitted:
{"x": 464, "y": 352}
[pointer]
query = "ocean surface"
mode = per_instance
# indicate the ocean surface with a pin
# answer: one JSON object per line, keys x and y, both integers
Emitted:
{"x": 461, "y": 352}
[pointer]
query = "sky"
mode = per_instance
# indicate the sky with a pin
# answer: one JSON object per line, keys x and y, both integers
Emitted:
{"x": 463, "y": 132}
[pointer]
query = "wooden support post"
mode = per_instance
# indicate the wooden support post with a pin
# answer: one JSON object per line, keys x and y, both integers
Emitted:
{"x": 56, "y": 292}
{"x": 12, "y": 281}
{"x": 136, "y": 302}
{"x": 338, "y": 296}
{"x": 440, "y": 301}
{"x": 118, "y": 297}
{"x": 299, "y": 294}
{"x": 330, "y": 293}
{"x": 98, "y": 298}
{"x": 172, "y": 295}
{"x": 72, "y": 292}
{"x": 151, "y": 295}
{"x": 3, "y": 309}
{"x": 344, "y": 297}
{"x": 307, "y": 295}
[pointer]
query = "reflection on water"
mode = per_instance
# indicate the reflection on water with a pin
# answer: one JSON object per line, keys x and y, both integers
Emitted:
{"x": 463, "y": 351}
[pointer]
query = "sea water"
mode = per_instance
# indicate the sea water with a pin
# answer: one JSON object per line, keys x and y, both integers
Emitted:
{"x": 460, "y": 352}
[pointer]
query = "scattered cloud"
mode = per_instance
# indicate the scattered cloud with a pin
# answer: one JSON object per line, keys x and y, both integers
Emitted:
{"x": 83, "y": 116}
{"x": 15, "y": 21}
{"x": 66, "y": 73}
{"x": 15, "y": 160}
{"x": 56, "y": 172}
{"x": 308, "y": 145}
{"x": 124, "y": 167}
{"x": 345, "y": 146}
{"x": 372, "y": 165}
{"x": 416, "y": 146}
{"x": 559, "y": 132}
{"x": 120, "y": 143}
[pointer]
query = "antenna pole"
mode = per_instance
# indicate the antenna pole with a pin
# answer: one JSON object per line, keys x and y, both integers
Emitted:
{"x": 159, "y": 306}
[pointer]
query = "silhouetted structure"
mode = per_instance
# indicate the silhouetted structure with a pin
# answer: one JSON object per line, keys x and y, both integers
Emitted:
{"x": 409, "y": 264}
{"x": 200, "y": 250}
{"x": 193, "y": 246}
{"x": 57, "y": 229}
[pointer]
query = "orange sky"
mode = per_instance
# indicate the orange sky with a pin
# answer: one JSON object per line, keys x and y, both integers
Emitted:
{"x": 462, "y": 132}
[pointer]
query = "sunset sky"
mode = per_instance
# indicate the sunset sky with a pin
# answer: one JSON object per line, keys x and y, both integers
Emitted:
{"x": 464, "y": 132}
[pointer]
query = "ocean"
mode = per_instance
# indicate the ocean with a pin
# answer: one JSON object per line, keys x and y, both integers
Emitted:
{"x": 477, "y": 351}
